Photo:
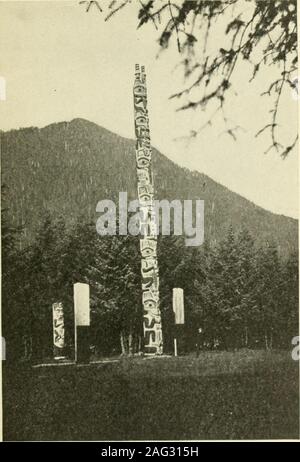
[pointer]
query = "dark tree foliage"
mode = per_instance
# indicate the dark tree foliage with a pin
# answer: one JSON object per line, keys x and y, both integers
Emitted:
{"x": 241, "y": 294}
{"x": 264, "y": 33}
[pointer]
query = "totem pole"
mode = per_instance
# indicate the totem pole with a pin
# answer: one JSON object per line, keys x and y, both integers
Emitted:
{"x": 153, "y": 342}
{"x": 58, "y": 330}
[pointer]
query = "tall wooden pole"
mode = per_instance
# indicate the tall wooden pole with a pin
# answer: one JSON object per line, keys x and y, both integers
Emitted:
{"x": 58, "y": 330}
{"x": 153, "y": 341}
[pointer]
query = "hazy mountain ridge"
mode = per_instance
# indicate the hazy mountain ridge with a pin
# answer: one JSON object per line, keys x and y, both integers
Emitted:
{"x": 67, "y": 167}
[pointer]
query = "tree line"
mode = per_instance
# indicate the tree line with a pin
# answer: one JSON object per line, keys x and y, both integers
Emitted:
{"x": 241, "y": 294}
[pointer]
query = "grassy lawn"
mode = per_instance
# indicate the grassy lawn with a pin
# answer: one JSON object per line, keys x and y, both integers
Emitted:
{"x": 220, "y": 395}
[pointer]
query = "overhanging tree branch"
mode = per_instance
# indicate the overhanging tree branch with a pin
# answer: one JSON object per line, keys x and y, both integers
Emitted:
{"x": 264, "y": 33}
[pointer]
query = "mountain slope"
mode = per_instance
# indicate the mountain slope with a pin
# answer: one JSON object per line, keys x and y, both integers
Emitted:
{"x": 67, "y": 167}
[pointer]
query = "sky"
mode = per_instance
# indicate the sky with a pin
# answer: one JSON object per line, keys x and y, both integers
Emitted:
{"x": 60, "y": 63}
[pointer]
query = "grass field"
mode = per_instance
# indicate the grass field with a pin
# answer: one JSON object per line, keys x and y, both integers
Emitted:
{"x": 220, "y": 395}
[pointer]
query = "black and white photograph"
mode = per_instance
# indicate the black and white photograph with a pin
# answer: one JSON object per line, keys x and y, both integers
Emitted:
{"x": 149, "y": 221}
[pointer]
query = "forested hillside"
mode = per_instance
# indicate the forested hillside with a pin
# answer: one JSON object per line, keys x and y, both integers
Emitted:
{"x": 66, "y": 168}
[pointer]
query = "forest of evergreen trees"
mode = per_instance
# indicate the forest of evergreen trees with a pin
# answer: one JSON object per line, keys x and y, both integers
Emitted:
{"x": 242, "y": 295}
{"x": 66, "y": 168}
